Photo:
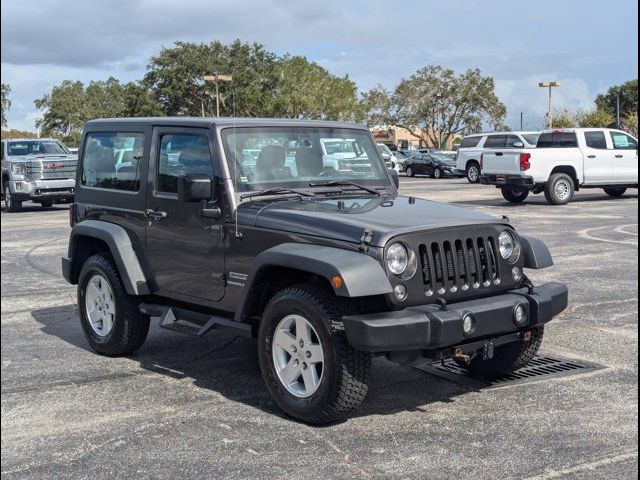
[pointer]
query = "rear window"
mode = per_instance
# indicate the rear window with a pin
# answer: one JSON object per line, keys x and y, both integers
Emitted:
{"x": 558, "y": 140}
{"x": 111, "y": 160}
{"x": 469, "y": 142}
{"x": 530, "y": 138}
{"x": 595, "y": 140}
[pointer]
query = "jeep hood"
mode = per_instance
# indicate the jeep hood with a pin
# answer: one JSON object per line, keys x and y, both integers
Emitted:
{"x": 346, "y": 219}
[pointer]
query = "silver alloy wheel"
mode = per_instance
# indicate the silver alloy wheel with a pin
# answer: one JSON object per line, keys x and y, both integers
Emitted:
{"x": 298, "y": 356}
{"x": 409, "y": 172}
{"x": 7, "y": 197}
{"x": 562, "y": 189}
{"x": 473, "y": 173}
{"x": 437, "y": 173}
{"x": 100, "y": 305}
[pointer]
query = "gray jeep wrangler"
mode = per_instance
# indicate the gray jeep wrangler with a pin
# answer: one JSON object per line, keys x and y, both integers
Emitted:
{"x": 247, "y": 225}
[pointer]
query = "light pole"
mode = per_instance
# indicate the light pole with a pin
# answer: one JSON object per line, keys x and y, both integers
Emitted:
{"x": 521, "y": 121}
{"x": 618, "y": 93}
{"x": 549, "y": 85}
{"x": 216, "y": 77}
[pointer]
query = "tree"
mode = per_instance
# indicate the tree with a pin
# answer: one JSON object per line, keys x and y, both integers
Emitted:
{"x": 628, "y": 99}
{"x": 175, "y": 78}
{"x": 596, "y": 118}
{"x": 435, "y": 104}
{"x": 69, "y": 105}
{"x": 563, "y": 118}
{"x": 306, "y": 90}
{"x": 630, "y": 123}
{"x": 4, "y": 100}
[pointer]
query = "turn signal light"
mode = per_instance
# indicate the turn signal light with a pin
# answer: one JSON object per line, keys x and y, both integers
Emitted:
{"x": 525, "y": 163}
{"x": 336, "y": 282}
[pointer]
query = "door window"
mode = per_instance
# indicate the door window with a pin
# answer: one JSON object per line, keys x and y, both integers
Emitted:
{"x": 558, "y": 139}
{"x": 512, "y": 140}
{"x": 595, "y": 140}
{"x": 622, "y": 141}
{"x": 111, "y": 160}
{"x": 182, "y": 154}
{"x": 496, "y": 141}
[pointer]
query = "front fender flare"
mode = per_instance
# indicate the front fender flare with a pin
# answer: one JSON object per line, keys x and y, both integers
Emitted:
{"x": 121, "y": 248}
{"x": 536, "y": 253}
{"x": 361, "y": 274}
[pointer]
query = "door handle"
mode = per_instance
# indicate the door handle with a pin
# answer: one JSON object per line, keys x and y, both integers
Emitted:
{"x": 499, "y": 154}
{"x": 619, "y": 156}
{"x": 591, "y": 156}
{"x": 155, "y": 214}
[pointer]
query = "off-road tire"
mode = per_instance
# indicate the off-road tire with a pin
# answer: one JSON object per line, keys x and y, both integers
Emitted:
{"x": 46, "y": 203}
{"x": 409, "y": 172}
{"x": 130, "y": 326}
{"x": 345, "y": 377}
{"x": 508, "y": 358}
{"x": 471, "y": 177}
{"x": 437, "y": 173}
{"x": 514, "y": 195}
{"x": 10, "y": 204}
{"x": 615, "y": 191}
{"x": 550, "y": 189}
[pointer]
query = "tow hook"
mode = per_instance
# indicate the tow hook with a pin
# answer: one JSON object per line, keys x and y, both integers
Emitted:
{"x": 526, "y": 336}
{"x": 460, "y": 357}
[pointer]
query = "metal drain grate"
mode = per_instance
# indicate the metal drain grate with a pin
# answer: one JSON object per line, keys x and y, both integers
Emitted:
{"x": 538, "y": 369}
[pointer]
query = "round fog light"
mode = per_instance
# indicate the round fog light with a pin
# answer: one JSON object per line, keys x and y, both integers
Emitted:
{"x": 400, "y": 291}
{"x": 516, "y": 273}
{"x": 520, "y": 315}
{"x": 468, "y": 324}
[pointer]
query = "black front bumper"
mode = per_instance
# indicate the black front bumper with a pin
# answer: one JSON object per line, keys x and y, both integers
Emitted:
{"x": 429, "y": 327}
{"x": 507, "y": 180}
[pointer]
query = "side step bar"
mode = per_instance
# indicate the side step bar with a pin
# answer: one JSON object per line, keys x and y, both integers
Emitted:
{"x": 193, "y": 323}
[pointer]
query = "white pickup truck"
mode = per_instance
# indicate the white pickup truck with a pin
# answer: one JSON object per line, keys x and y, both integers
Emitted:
{"x": 563, "y": 162}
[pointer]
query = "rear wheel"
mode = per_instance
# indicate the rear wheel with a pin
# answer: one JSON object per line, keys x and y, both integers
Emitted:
{"x": 409, "y": 172}
{"x": 473, "y": 172}
{"x": 110, "y": 318}
{"x": 47, "y": 203}
{"x": 559, "y": 189}
{"x": 309, "y": 367}
{"x": 10, "y": 204}
{"x": 508, "y": 358}
{"x": 615, "y": 191}
{"x": 514, "y": 194}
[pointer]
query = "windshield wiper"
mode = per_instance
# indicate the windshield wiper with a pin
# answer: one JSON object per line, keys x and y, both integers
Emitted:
{"x": 275, "y": 191}
{"x": 345, "y": 183}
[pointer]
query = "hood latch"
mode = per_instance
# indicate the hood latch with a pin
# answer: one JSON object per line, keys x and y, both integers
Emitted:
{"x": 365, "y": 240}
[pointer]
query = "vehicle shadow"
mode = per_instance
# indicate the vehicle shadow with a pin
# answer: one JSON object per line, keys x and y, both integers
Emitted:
{"x": 539, "y": 200}
{"x": 228, "y": 365}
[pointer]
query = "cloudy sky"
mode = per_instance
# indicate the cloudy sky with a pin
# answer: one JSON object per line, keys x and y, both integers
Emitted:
{"x": 587, "y": 45}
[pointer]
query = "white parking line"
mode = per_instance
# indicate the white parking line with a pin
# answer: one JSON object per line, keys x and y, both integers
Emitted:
{"x": 586, "y": 467}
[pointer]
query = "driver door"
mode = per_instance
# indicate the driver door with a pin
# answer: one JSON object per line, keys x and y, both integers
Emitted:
{"x": 184, "y": 248}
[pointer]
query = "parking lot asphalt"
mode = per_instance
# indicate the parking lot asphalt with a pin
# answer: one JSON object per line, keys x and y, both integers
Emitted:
{"x": 185, "y": 408}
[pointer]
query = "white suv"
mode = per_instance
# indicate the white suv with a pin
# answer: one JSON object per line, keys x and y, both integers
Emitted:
{"x": 472, "y": 146}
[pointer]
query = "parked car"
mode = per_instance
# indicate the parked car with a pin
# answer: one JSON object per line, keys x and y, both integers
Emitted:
{"x": 388, "y": 156}
{"x": 436, "y": 165}
{"x": 472, "y": 146}
{"x": 325, "y": 269}
{"x": 401, "y": 157}
{"x": 41, "y": 170}
{"x": 564, "y": 161}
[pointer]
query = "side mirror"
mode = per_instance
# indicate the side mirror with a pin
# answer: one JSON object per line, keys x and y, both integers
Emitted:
{"x": 395, "y": 177}
{"x": 518, "y": 144}
{"x": 194, "y": 188}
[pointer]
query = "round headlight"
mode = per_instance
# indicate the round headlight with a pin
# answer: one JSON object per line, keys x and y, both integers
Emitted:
{"x": 397, "y": 258}
{"x": 509, "y": 247}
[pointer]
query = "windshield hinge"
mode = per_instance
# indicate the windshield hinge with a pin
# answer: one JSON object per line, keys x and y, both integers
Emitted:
{"x": 365, "y": 240}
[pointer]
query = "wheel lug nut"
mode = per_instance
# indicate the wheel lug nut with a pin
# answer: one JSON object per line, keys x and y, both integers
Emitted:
{"x": 304, "y": 366}
{"x": 294, "y": 349}
{"x": 307, "y": 354}
{"x": 301, "y": 343}
{"x": 295, "y": 363}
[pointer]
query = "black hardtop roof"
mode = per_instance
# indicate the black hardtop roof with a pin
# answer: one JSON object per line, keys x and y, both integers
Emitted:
{"x": 208, "y": 122}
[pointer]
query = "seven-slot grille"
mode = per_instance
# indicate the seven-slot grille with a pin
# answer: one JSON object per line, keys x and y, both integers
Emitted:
{"x": 50, "y": 169}
{"x": 459, "y": 264}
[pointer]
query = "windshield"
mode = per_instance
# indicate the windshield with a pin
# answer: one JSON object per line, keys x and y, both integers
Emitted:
{"x": 295, "y": 157}
{"x": 39, "y": 147}
{"x": 531, "y": 138}
{"x": 441, "y": 157}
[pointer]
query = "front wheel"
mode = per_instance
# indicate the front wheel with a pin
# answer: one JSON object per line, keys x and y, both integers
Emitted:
{"x": 10, "y": 204}
{"x": 515, "y": 195}
{"x": 559, "y": 189}
{"x": 508, "y": 358}
{"x": 437, "y": 173}
{"x": 473, "y": 172}
{"x": 310, "y": 369}
{"x": 615, "y": 191}
{"x": 46, "y": 203}
{"x": 110, "y": 318}
{"x": 409, "y": 172}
